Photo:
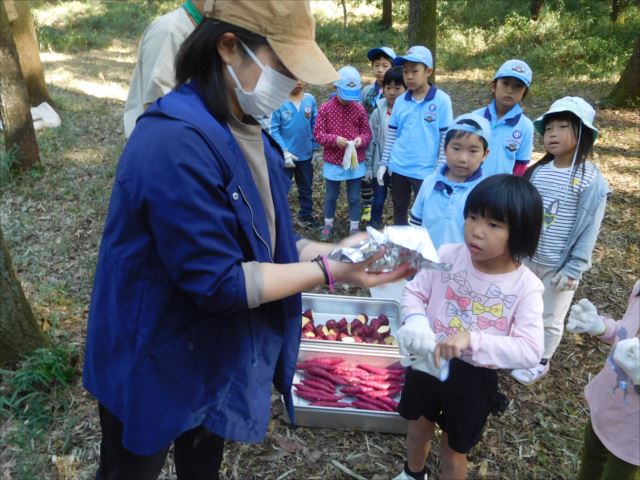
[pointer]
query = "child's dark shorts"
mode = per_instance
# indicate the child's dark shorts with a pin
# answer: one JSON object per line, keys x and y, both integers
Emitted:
{"x": 460, "y": 405}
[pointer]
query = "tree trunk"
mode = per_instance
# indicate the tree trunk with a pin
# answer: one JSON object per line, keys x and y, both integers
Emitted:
{"x": 19, "y": 331}
{"x": 616, "y": 7}
{"x": 626, "y": 92}
{"x": 344, "y": 13}
{"x": 422, "y": 29}
{"x": 15, "y": 111}
{"x": 534, "y": 9}
{"x": 387, "y": 16}
{"x": 24, "y": 37}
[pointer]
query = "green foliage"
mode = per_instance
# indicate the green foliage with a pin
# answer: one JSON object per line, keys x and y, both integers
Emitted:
{"x": 31, "y": 397}
{"x": 8, "y": 162}
{"x": 74, "y": 25}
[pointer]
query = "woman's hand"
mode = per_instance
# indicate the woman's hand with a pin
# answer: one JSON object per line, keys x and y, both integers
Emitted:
{"x": 451, "y": 347}
{"x": 342, "y": 142}
{"x": 356, "y": 274}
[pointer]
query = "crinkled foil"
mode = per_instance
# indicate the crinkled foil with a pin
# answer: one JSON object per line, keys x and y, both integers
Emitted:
{"x": 402, "y": 244}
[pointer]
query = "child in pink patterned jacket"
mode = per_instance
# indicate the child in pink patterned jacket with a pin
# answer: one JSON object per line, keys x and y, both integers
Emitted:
{"x": 342, "y": 120}
{"x": 483, "y": 314}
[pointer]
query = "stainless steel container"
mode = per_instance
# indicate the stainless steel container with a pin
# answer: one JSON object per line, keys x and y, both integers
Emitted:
{"x": 327, "y": 307}
{"x": 347, "y": 418}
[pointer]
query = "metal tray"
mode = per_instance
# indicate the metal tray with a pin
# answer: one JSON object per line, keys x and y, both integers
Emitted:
{"x": 326, "y": 307}
{"x": 347, "y": 418}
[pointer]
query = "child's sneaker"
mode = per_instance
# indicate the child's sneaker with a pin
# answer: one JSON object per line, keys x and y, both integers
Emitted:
{"x": 353, "y": 231}
{"x": 405, "y": 476}
{"x": 309, "y": 222}
{"x": 325, "y": 233}
{"x": 529, "y": 376}
{"x": 366, "y": 214}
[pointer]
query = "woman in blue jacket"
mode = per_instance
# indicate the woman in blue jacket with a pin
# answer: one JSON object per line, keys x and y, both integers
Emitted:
{"x": 195, "y": 310}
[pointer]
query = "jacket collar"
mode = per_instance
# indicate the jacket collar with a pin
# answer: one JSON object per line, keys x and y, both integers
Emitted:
{"x": 511, "y": 118}
{"x": 408, "y": 96}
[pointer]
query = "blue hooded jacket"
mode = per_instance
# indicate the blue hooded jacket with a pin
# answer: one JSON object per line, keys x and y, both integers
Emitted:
{"x": 171, "y": 342}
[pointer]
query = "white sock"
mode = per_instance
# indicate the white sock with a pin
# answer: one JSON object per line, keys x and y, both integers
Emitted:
{"x": 354, "y": 224}
{"x": 328, "y": 222}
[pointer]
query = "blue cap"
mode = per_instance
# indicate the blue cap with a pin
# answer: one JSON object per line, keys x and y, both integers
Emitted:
{"x": 484, "y": 131}
{"x": 349, "y": 83}
{"x": 416, "y": 54}
{"x": 517, "y": 69}
{"x": 376, "y": 52}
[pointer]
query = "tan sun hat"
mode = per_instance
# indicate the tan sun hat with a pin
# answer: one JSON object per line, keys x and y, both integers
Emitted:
{"x": 288, "y": 26}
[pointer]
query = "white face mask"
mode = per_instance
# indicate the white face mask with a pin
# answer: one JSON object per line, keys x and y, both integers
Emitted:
{"x": 271, "y": 91}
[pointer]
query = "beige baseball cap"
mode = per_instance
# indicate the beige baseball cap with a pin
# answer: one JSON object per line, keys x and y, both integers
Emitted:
{"x": 288, "y": 26}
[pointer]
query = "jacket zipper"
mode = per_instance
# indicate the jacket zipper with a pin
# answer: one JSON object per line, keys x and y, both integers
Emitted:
{"x": 253, "y": 226}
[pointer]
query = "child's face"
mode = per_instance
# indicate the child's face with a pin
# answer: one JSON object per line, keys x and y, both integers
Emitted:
{"x": 379, "y": 67}
{"x": 298, "y": 88}
{"x": 392, "y": 91}
{"x": 464, "y": 156}
{"x": 508, "y": 91}
{"x": 416, "y": 75}
{"x": 559, "y": 138}
{"x": 487, "y": 240}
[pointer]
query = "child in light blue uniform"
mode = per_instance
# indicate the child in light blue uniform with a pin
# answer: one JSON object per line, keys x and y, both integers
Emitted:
{"x": 439, "y": 205}
{"x": 417, "y": 127}
{"x": 511, "y": 142}
{"x": 292, "y": 127}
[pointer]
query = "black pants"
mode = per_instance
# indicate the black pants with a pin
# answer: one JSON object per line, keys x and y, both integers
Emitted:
{"x": 401, "y": 188}
{"x": 197, "y": 454}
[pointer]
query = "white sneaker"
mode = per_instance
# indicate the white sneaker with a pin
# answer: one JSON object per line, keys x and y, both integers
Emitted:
{"x": 404, "y": 476}
{"x": 528, "y": 376}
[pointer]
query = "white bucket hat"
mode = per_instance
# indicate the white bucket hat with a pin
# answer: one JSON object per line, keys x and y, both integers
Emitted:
{"x": 576, "y": 105}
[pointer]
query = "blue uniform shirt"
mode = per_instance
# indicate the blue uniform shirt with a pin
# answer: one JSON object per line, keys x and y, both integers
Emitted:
{"x": 418, "y": 125}
{"x": 511, "y": 139}
{"x": 293, "y": 127}
{"x": 439, "y": 206}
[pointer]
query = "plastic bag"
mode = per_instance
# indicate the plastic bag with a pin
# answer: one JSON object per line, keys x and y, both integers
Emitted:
{"x": 349, "y": 155}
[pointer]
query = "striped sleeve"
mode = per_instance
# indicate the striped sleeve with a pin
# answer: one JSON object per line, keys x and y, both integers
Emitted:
{"x": 392, "y": 135}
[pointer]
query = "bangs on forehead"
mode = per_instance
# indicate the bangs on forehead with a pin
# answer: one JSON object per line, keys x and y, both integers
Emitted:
{"x": 490, "y": 204}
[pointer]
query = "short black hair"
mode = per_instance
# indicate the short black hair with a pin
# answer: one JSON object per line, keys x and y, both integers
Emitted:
{"x": 198, "y": 60}
{"x": 461, "y": 133}
{"x": 514, "y": 201}
{"x": 393, "y": 75}
{"x": 382, "y": 55}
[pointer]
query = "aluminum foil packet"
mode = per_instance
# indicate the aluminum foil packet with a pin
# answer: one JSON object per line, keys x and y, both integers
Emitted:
{"x": 402, "y": 244}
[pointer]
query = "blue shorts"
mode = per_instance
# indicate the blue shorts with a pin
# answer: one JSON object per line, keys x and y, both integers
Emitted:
{"x": 460, "y": 405}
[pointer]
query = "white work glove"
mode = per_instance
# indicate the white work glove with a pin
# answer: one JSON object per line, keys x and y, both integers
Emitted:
{"x": 316, "y": 157}
{"x": 564, "y": 283}
{"x": 416, "y": 337}
{"x": 368, "y": 176}
{"x": 381, "y": 171}
{"x": 427, "y": 364}
{"x": 584, "y": 318}
{"x": 627, "y": 356}
{"x": 289, "y": 160}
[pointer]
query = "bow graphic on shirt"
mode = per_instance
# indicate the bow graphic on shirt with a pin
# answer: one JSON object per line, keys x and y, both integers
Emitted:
{"x": 438, "y": 327}
{"x": 466, "y": 290}
{"x": 457, "y": 324}
{"x": 455, "y": 314}
{"x": 494, "y": 292}
{"x": 459, "y": 277}
{"x": 495, "y": 310}
{"x": 463, "y": 302}
{"x": 499, "y": 324}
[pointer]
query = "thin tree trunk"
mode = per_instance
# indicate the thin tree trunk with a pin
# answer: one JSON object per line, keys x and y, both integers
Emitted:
{"x": 626, "y": 92}
{"x": 344, "y": 13}
{"x": 534, "y": 9}
{"x": 422, "y": 29}
{"x": 15, "y": 111}
{"x": 24, "y": 37}
{"x": 387, "y": 15}
{"x": 19, "y": 330}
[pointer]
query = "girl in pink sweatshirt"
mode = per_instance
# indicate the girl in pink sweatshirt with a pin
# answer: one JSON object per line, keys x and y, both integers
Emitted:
{"x": 483, "y": 314}
{"x": 611, "y": 448}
